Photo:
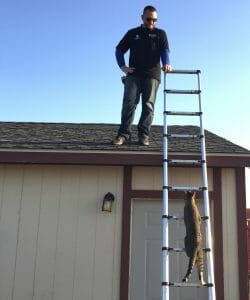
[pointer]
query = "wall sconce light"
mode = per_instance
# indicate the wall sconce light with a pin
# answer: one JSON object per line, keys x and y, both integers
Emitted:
{"x": 107, "y": 203}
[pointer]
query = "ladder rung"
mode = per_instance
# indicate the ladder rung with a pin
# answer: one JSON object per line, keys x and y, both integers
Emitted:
{"x": 184, "y": 162}
{"x": 183, "y": 113}
{"x": 176, "y": 249}
{"x": 193, "y": 136}
{"x": 197, "y": 92}
{"x": 173, "y": 217}
{"x": 185, "y": 71}
{"x": 185, "y": 284}
{"x": 186, "y": 188}
{"x": 170, "y": 217}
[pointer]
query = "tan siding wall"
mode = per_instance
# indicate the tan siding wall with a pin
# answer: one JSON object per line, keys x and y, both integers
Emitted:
{"x": 55, "y": 243}
{"x": 9, "y": 224}
{"x": 146, "y": 178}
{"x": 230, "y": 240}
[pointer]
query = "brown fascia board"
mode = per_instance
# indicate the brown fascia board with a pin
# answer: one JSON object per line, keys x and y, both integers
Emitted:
{"x": 115, "y": 159}
{"x": 248, "y": 213}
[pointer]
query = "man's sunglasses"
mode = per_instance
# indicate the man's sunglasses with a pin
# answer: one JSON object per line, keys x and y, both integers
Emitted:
{"x": 151, "y": 19}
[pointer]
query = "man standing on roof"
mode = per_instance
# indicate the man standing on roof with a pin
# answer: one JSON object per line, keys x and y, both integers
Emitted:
{"x": 148, "y": 45}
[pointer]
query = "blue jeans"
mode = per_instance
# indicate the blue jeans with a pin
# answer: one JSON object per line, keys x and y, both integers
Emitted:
{"x": 134, "y": 87}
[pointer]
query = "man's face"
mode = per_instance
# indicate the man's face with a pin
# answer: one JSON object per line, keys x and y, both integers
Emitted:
{"x": 149, "y": 19}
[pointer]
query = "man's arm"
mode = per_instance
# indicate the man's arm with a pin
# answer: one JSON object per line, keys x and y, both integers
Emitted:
{"x": 166, "y": 67}
{"x": 119, "y": 57}
{"x": 121, "y": 61}
{"x": 165, "y": 57}
{"x": 164, "y": 52}
{"x": 121, "y": 49}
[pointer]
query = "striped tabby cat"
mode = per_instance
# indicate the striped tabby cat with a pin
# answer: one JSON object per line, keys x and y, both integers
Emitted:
{"x": 193, "y": 245}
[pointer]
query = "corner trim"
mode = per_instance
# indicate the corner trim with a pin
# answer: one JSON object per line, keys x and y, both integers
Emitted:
{"x": 125, "y": 239}
{"x": 218, "y": 234}
{"x": 242, "y": 231}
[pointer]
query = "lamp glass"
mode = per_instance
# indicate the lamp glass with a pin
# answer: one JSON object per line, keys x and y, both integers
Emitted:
{"x": 107, "y": 205}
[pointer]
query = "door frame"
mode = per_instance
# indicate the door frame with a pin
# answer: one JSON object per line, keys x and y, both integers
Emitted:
{"x": 129, "y": 194}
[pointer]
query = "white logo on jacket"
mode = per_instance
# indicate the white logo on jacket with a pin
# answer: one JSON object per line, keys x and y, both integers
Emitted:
{"x": 152, "y": 35}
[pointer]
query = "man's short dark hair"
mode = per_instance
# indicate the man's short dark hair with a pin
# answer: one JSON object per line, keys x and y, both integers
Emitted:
{"x": 150, "y": 8}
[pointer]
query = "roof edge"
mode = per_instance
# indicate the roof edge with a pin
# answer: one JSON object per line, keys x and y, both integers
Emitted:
{"x": 111, "y": 158}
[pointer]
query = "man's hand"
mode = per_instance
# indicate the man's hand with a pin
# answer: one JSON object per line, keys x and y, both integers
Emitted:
{"x": 166, "y": 68}
{"x": 127, "y": 70}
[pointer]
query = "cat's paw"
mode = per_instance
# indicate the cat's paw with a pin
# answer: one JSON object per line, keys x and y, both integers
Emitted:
{"x": 202, "y": 282}
{"x": 185, "y": 279}
{"x": 201, "y": 279}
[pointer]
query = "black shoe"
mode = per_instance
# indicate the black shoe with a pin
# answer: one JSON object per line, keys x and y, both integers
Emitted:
{"x": 144, "y": 140}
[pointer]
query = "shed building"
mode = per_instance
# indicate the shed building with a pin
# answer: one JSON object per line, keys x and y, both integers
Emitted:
{"x": 57, "y": 244}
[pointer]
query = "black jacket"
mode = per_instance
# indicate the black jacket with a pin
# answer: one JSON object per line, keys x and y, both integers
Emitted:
{"x": 145, "y": 46}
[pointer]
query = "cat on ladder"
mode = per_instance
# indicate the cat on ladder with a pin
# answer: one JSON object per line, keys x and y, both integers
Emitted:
{"x": 193, "y": 244}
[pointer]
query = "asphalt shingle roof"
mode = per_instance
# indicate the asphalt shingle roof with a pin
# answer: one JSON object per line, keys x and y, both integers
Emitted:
{"x": 98, "y": 137}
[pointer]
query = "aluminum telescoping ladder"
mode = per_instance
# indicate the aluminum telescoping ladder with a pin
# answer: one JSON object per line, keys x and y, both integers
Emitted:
{"x": 166, "y": 284}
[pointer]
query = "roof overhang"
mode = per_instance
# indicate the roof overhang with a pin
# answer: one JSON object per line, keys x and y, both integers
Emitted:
{"x": 114, "y": 158}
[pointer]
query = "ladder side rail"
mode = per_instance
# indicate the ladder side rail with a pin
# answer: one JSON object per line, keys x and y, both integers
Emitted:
{"x": 210, "y": 261}
{"x": 165, "y": 235}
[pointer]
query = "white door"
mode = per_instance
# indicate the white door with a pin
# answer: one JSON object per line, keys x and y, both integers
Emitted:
{"x": 145, "y": 276}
